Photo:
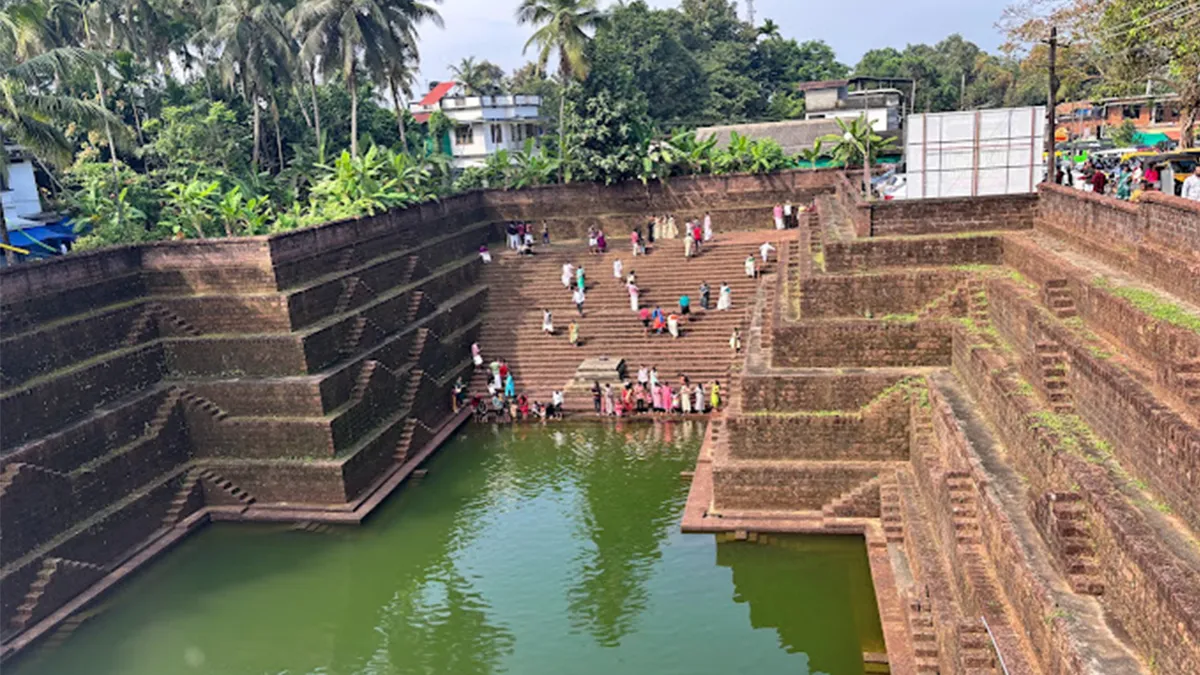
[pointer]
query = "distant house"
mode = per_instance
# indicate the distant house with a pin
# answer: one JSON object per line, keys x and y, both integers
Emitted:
{"x": 483, "y": 125}
{"x": 1155, "y": 116}
{"x": 792, "y": 135}
{"x": 882, "y": 106}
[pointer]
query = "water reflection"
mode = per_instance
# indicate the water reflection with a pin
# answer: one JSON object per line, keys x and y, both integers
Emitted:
{"x": 626, "y": 517}
{"x": 809, "y": 617}
{"x": 526, "y": 550}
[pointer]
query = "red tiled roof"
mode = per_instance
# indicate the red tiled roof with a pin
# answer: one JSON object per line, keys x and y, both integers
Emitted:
{"x": 421, "y": 118}
{"x": 438, "y": 92}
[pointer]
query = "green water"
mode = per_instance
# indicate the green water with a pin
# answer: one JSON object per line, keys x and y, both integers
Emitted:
{"x": 530, "y": 550}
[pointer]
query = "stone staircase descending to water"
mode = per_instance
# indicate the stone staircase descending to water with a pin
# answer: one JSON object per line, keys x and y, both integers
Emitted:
{"x": 521, "y": 287}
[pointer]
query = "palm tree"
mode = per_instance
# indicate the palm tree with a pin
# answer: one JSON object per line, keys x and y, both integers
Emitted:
{"x": 400, "y": 78}
{"x": 858, "y": 142}
{"x": 477, "y": 77}
{"x": 256, "y": 53}
{"x": 769, "y": 29}
{"x": 29, "y": 112}
{"x": 562, "y": 26}
{"x": 349, "y": 35}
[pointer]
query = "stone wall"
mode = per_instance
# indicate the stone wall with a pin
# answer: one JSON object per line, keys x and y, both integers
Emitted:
{"x": 861, "y": 343}
{"x": 953, "y": 215}
{"x": 865, "y": 254}
{"x": 817, "y": 391}
{"x": 878, "y": 433}
{"x": 874, "y": 295}
{"x": 1155, "y": 240}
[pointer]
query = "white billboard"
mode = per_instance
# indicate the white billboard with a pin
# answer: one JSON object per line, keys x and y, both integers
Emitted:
{"x": 974, "y": 152}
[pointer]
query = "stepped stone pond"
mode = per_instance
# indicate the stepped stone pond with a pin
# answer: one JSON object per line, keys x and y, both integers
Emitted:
{"x": 524, "y": 550}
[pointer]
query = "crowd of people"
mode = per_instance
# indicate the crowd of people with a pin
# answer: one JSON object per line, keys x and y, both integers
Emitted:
{"x": 647, "y": 394}
{"x": 1126, "y": 180}
{"x": 650, "y": 395}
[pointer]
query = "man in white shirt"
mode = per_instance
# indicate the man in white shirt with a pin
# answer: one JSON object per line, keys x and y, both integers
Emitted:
{"x": 766, "y": 249}
{"x": 1191, "y": 186}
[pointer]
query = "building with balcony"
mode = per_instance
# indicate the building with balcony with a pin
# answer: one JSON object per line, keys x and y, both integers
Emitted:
{"x": 880, "y": 100}
{"x": 483, "y": 125}
{"x": 1156, "y": 117}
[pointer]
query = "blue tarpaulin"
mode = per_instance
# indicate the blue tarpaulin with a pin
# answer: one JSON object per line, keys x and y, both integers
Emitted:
{"x": 42, "y": 239}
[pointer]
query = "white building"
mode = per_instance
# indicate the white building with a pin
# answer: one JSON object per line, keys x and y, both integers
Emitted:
{"x": 848, "y": 99}
{"x": 18, "y": 190}
{"x": 482, "y": 124}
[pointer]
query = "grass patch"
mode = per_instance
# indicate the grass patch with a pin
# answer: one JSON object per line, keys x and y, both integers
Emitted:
{"x": 1022, "y": 279}
{"x": 1024, "y": 388}
{"x": 900, "y": 318}
{"x": 1153, "y": 305}
{"x": 973, "y": 267}
{"x": 819, "y": 260}
{"x": 1073, "y": 434}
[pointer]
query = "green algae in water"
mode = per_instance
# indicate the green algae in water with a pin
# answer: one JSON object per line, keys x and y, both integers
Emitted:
{"x": 525, "y": 550}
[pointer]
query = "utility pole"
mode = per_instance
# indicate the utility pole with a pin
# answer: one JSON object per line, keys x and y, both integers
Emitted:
{"x": 1051, "y": 102}
{"x": 750, "y": 12}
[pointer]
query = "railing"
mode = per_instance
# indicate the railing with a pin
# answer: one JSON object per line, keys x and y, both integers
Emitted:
{"x": 995, "y": 647}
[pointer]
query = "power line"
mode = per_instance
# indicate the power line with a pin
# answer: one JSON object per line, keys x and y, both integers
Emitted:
{"x": 1178, "y": 14}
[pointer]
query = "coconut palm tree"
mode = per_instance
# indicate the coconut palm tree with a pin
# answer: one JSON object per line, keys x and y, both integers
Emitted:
{"x": 562, "y": 28}
{"x": 477, "y": 77}
{"x": 257, "y": 54}
{"x": 354, "y": 35}
{"x": 400, "y": 74}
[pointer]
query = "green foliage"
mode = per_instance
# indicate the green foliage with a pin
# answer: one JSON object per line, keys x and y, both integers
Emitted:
{"x": 1125, "y": 134}
{"x": 1153, "y": 304}
{"x": 202, "y": 138}
{"x": 856, "y": 141}
{"x": 104, "y": 216}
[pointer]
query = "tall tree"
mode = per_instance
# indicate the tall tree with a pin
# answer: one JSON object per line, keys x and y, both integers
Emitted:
{"x": 256, "y": 55}
{"x": 563, "y": 27}
{"x": 478, "y": 77}
{"x": 349, "y": 35}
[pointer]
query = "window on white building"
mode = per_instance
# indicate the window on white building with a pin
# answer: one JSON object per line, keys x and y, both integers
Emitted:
{"x": 518, "y": 133}
{"x": 464, "y": 135}
{"x": 497, "y": 133}
{"x": 531, "y": 131}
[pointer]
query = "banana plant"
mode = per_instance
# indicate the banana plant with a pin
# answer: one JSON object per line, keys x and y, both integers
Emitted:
{"x": 532, "y": 167}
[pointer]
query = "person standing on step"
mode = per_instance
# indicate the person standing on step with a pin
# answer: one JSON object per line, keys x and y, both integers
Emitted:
{"x": 547, "y": 322}
{"x": 609, "y": 401}
{"x": 787, "y": 214}
{"x": 685, "y": 306}
{"x": 716, "y": 396}
{"x": 596, "y": 396}
{"x": 653, "y": 377}
{"x": 643, "y": 375}
{"x": 751, "y": 270}
{"x": 545, "y": 234}
{"x": 618, "y": 269}
{"x": 699, "y": 395}
{"x": 484, "y": 254}
{"x": 704, "y": 295}
{"x": 634, "y": 241}
{"x": 735, "y": 341}
{"x": 687, "y": 246}
{"x": 634, "y": 294}
{"x": 556, "y": 399}
{"x": 765, "y": 250}
{"x": 725, "y": 297}
{"x": 708, "y": 231}
{"x": 644, "y": 314}
{"x": 573, "y": 334}
{"x": 510, "y": 387}
{"x": 650, "y": 229}
{"x": 476, "y": 355}
{"x": 685, "y": 399}
{"x": 777, "y": 212}
{"x": 511, "y": 231}
{"x": 697, "y": 238}
{"x": 568, "y": 275}
{"x": 673, "y": 325}
{"x": 497, "y": 381}
{"x": 580, "y": 278}
{"x": 601, "y": 242}
{"x": 578, "y": 297}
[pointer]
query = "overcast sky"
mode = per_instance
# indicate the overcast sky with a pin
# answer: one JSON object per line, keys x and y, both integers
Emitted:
{"x": 486, "y": 28}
